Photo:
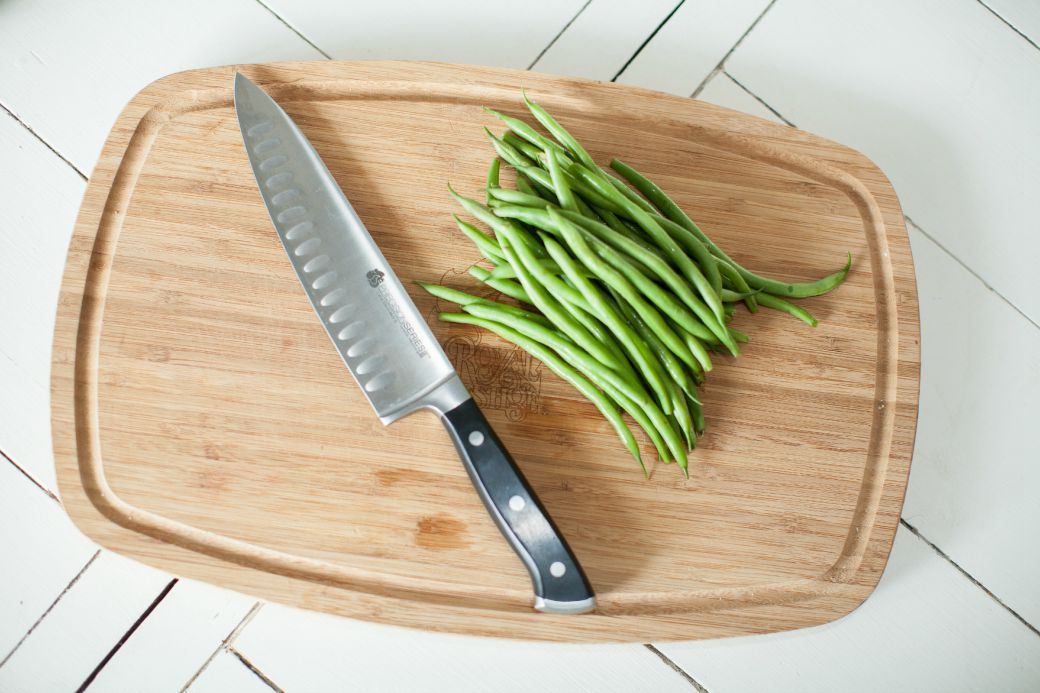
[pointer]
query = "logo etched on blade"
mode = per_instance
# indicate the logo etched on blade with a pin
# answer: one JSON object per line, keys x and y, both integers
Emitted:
{"x": 375, "y": 278}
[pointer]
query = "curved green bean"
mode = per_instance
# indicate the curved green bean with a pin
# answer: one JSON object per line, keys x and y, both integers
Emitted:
{"x": 560, "y": 368}
{"x": 772, "y": 286}
{"x": 777, "y": 303}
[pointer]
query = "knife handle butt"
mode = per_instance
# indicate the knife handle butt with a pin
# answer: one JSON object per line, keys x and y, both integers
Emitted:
{"x": 560, "y": 585}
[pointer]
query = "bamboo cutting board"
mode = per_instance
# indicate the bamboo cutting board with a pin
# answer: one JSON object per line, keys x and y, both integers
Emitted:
{"x": 204, "y": 425}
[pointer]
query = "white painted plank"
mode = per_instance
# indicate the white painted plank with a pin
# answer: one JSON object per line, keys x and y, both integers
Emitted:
{"x": 175, "y": 640}
{"x": 1024, "y": 15}
{"x": 603, "y": 38}
{"x": 723, "y": 91}
{"x": 67, "y": 67}
{"x": 227, "y": 674}
{"x": 42, "y": 553}
{"x": 459, "y": 31}
{"x": 315, "y": 652}
{"x": 83, "y": 626}
{"x": 926, "y": 628}
{"x": 39, "y": 196}
{"x": 691, "y": 44}
{"x": 941, "y": 95}
{"x": 974, "y": 463}
{"x": 974, "y": 475}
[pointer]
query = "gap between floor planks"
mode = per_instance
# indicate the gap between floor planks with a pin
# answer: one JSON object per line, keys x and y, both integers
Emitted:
{"x": 226, "y": 645}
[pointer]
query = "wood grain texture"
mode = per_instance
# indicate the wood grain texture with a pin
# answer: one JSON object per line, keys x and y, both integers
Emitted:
{"x": 203, "y": 425}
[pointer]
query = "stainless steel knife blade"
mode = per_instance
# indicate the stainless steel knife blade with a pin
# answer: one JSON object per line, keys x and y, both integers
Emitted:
{"x": 373, "y": 323}
{"x": 386, "y": 344}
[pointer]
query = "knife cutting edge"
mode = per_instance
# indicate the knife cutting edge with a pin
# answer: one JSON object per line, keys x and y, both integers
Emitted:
{"x": 384, "y": 341}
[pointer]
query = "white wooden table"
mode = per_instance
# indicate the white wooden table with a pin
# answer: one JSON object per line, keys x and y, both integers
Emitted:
{"x": 943, "y": 94}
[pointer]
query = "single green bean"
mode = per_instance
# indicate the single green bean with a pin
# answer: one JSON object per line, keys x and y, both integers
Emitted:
{"x": 560, "y": 368}
{"x": 506, "y": 151}
{"x": 681, "y": 412}
{"x": 521, "y": 199}
{"x": 698, "y": 417}
{"x": 447, "y": 293}
{"x": 506, "y": 287}
{"x": 529, "y": 150}
{"x": 487, "y": 245}
{"x": 569, "y": 142}
{"x": 493, "y": 176}
{"x": 627, "y": 191}
{"x": 522, "y": 185}
{"x": 637, "y": 350}
{"x": 523, "y": 129}
{"x": 777, "y": 303}
{"x": 560, "y": 186}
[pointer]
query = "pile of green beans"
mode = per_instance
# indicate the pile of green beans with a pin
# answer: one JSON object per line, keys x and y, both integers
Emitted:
{"x": 620, "y": 293}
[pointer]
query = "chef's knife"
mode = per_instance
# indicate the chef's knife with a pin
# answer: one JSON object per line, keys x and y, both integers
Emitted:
{"x": 385, "y": 342}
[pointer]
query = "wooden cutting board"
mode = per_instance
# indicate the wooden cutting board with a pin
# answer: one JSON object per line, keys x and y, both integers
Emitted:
{"x": 204, "y": 425}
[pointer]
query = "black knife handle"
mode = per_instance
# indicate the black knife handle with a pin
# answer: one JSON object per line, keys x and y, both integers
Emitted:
{"x": 560, "y": 585}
